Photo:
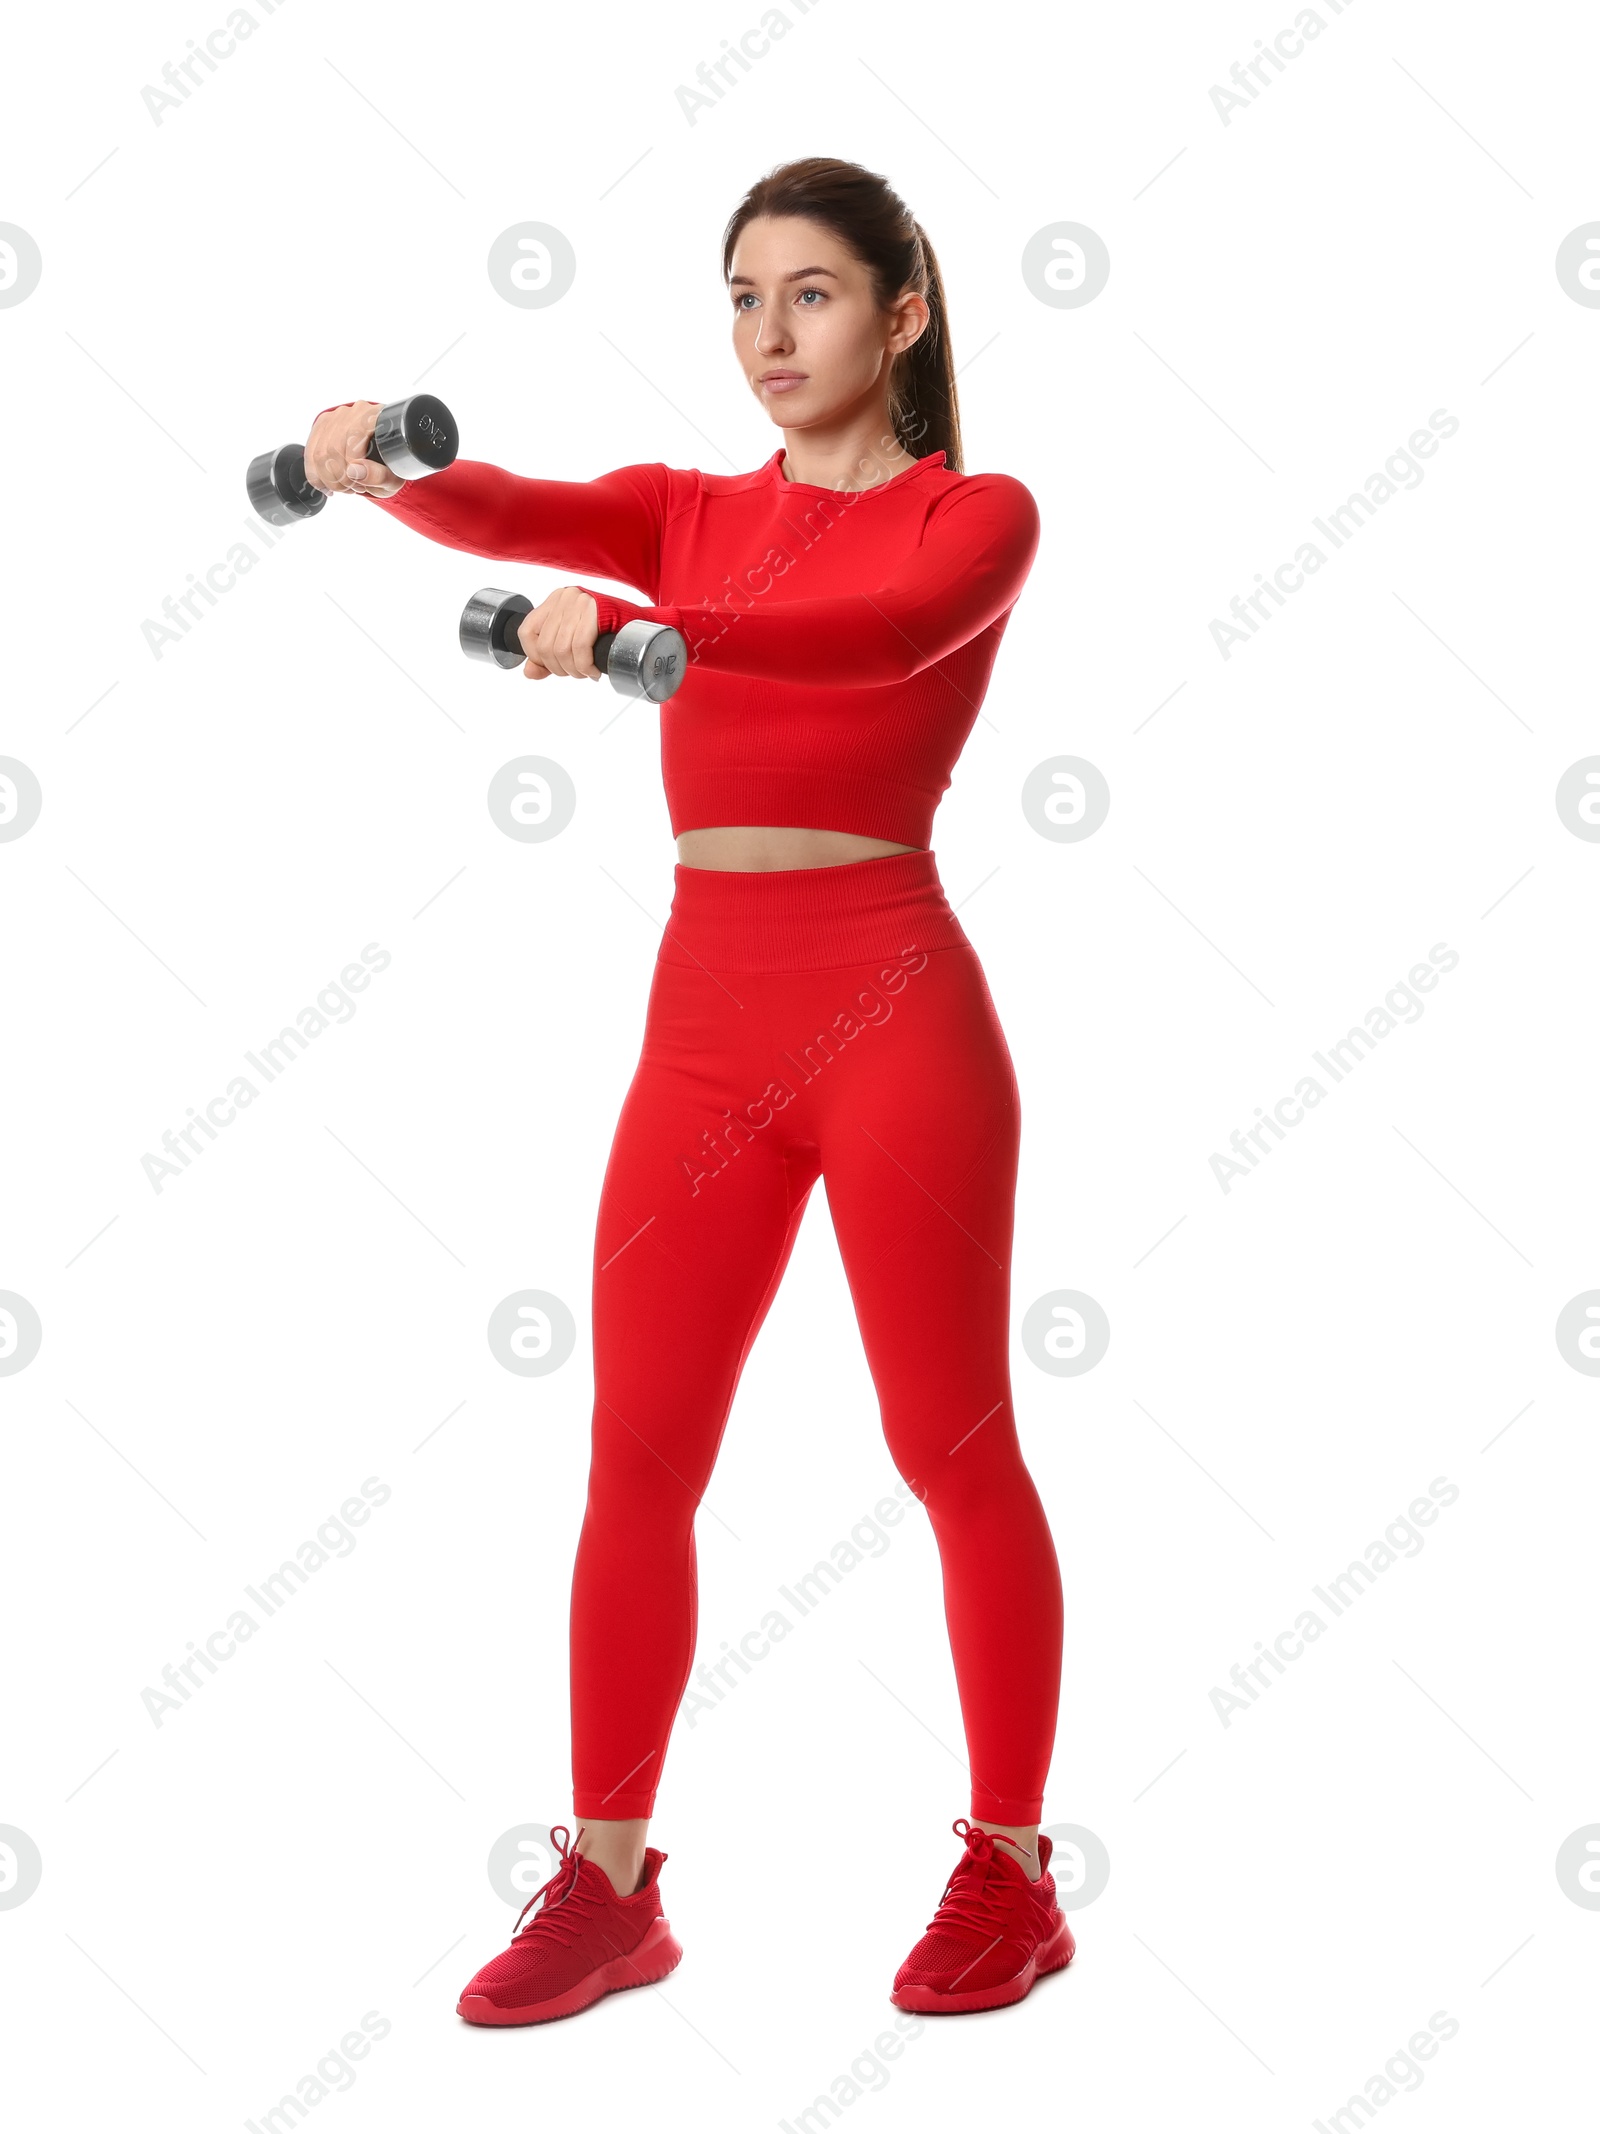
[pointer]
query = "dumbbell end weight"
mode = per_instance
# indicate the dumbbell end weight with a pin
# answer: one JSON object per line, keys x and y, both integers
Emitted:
{"x": 276, "y": 485}
{"x": 644, "y": 659}
{"x": 415, "y": 436}
{"x": 489, "y": 624}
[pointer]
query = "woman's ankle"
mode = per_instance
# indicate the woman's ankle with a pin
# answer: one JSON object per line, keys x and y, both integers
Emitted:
{"x": 616, "y": 1847}
{"x": 1024, "y": 1846}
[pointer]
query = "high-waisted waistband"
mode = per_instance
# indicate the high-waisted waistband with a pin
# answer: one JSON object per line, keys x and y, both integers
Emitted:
{"x": 807, "y": 918}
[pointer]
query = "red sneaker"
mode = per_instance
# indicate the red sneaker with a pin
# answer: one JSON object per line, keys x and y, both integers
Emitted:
{"x": 584, "y": 1943}
{"x": 994, "y": 1933}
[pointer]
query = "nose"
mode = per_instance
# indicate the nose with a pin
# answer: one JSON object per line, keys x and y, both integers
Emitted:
{"x": 771, "y": 337}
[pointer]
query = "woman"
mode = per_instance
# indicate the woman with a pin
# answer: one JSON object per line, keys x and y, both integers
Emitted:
{"x": 815, "y": 1010}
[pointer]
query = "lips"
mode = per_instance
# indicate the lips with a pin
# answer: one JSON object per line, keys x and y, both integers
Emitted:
{"x": 781, "y": 381}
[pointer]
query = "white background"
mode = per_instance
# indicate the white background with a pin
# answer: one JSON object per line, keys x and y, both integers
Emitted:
{"x": 1292, "y": 1895}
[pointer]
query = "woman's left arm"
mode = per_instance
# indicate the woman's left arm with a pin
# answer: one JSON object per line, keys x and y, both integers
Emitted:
{"x": 974, "y": 558}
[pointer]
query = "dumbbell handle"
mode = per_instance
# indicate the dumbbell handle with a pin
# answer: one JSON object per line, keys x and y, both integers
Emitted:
{"x": 509, "y": 623}
{"x": 505, "y": 635}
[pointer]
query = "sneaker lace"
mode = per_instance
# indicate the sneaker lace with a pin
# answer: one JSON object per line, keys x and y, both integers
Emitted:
{"x": 969, "y": 1905}
{"x": 572, "y": 1903}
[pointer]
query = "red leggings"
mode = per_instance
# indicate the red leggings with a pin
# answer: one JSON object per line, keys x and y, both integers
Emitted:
{"x": 806, "y": 1022}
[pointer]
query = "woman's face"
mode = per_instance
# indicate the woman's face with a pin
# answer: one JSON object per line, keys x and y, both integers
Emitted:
{"x": 810, "y": 339}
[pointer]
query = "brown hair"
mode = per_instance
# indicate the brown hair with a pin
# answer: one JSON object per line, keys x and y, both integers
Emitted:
{"x": 866, "y": 214}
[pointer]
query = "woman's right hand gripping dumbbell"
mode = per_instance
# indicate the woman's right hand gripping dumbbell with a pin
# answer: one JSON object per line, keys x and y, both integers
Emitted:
{"x": 337, "y": 452}
{"x": 362, "y": 448}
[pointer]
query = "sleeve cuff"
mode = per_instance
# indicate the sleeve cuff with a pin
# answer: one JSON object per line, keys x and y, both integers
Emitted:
{"x": 615, "y": 611}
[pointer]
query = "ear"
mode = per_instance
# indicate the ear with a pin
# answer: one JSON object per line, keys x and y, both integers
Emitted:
{"x": 911, "y": 321}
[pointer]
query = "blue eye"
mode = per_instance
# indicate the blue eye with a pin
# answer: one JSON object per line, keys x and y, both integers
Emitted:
{"x": 739, "y": 300}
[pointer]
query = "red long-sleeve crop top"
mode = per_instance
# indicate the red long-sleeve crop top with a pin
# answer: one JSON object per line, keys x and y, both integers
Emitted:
{"x": 840, "y": 641}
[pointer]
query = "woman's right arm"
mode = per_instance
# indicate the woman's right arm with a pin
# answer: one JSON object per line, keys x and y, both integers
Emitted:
{"x": 611, "y": 527}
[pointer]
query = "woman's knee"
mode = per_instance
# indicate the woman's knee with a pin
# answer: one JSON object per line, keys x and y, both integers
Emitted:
{"x": 971, "y": 1481}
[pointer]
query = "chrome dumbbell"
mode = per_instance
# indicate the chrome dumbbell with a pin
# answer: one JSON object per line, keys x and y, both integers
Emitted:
{"x": 411, "y": 438}
{"x": 642, "y": 659}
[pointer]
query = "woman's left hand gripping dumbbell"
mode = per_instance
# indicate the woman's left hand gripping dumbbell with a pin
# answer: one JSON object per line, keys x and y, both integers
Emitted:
{"x": 558, "y": 636}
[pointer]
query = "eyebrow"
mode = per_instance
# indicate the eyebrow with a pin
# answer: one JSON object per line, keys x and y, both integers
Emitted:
{"x": 800, "y": 274}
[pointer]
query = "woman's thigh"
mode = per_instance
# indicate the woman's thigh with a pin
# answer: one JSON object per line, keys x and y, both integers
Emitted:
{"x": 918, "y": 1134}
{"x": 696, "y": 1223}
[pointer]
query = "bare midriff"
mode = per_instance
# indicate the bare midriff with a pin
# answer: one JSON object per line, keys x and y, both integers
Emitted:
{"x": 760, "y": 848}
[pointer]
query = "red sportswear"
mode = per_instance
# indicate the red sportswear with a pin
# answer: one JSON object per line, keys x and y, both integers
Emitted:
{"x": 803, "y": 1023}
{"x": 809, "y": 701}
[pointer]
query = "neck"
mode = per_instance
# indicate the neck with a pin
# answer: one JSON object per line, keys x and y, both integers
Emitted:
{"x": 859, "y": 452}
